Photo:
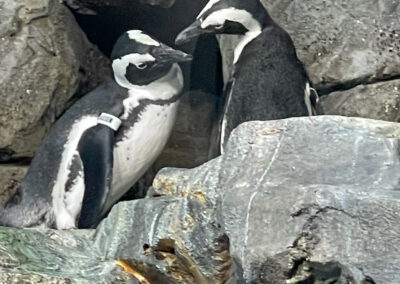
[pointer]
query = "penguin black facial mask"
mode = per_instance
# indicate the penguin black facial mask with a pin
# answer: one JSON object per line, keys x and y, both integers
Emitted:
{"x": 227, "y": 17}
{"x": 138, "y": 59}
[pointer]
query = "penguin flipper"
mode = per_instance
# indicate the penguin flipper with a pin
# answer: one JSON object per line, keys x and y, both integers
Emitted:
{"x": 311, "y": 99}
{"x": 96, "y": 152}
{"x": 224, "y": 132}
{"x": 314, "y": 97}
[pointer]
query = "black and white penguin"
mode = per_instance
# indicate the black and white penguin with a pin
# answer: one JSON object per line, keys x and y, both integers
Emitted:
{"x": 105, "y": 142}
{"x": 268, "y": 81}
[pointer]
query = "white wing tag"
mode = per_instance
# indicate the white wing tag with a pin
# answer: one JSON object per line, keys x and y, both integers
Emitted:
{"x": 109, "y": 120}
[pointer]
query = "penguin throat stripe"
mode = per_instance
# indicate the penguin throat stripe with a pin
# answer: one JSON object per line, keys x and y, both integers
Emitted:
{"x": 109, "y": 120}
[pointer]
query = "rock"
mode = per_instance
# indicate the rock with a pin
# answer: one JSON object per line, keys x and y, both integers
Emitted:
{"x": 10, "y": 176}
{"x": 278, "y": 207}
{"x": 304, "y": 200}
{"x": 46, "y": 60}
{"x": 166, "y": 240}
{"x": 377, "y": 101}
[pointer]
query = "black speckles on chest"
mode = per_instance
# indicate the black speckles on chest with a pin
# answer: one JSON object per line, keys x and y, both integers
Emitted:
{"x": 136, "y": 113}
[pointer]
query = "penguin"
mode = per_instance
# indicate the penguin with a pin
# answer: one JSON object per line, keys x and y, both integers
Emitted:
{"x": 268, "y": 81}
{"x": 105, "y": 142}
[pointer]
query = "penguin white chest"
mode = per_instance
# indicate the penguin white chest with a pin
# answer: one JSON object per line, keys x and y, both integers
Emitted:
{"x": 141, "y": 145}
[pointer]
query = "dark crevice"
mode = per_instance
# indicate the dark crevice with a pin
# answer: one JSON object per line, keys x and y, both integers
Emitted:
{"x": 345, "y": 86}
{"x": 20, "y": 161}
{"x": 307, "y": 210}
{"x": 295, "y": 267}
{"x": 112, "y": 20}
{"x": 368, "y": 280}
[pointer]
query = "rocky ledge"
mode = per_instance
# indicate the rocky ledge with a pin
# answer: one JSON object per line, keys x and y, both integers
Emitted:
{"x": 278, "y": 207}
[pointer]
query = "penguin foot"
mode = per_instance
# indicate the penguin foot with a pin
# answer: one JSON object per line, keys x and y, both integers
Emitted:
{"x": 129, "y": 269}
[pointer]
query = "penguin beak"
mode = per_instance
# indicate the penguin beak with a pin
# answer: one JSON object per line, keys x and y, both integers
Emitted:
{"x": 166, "y": 54}
{"x": 192, "y": 31}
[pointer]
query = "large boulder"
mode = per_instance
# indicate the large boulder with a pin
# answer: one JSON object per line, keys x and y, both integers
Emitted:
{"x": 10, "y": 176}
{"x": 302, "y": 200}
{"x": 46, "y": 59}
{"x": 165, "y": 240}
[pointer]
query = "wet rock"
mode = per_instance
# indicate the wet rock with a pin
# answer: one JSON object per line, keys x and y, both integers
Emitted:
{"x": 165, "y": 240}
{"x": 304, "y": 200}
{"x": 46, "y": 60}
{"x": 10, "y": 176}
{"x": 377, "y": 101}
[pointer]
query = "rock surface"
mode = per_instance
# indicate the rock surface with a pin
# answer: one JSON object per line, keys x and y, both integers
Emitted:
{"x": 45, "y": 60}
{"x": 377, "y": 101}
{"x": 303, "y": 200}
{"x": 166, "y": 240}
{"x": 277, "y": 207}
{"x": 10, "y": 176}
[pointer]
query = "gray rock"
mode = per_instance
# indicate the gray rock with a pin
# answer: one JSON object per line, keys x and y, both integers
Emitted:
{"x": 304, "y": 199}
{"x": 166, "y": 240}
{"x": 10, "y": 176}
{"x": 377, "y": 101}
{"x": 46, "y": 60}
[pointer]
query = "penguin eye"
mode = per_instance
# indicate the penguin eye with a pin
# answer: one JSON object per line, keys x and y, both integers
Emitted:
{"x": 141, "y": 65}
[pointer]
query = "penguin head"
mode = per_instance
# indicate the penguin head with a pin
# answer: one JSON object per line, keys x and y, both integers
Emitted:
{"x": 138, "y": 59}
{"x": 227, "y": 17}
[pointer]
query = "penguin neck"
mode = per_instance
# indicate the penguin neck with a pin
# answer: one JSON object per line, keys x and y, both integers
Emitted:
{"x": 161, "y": 89}
{"x": 245, "y": 39}
{"x": 258, "y": 23}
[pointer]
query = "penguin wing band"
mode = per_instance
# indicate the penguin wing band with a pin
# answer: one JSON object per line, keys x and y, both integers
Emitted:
{"x": 109, "y": 120}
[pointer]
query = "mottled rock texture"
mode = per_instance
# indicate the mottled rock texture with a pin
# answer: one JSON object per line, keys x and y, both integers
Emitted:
{"x": 278, "y": 207}
{"x": 45, "y": 60}
{"x": 304, "y": 200}
{"x": 377, "y": 101}
{"x": 10, "y": 176}
{"x": 166, "y": 240}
